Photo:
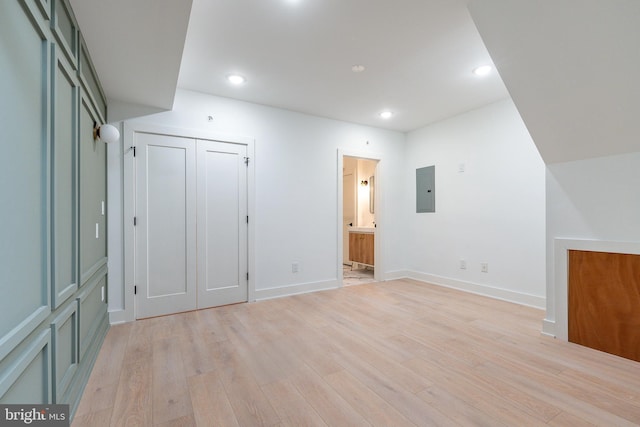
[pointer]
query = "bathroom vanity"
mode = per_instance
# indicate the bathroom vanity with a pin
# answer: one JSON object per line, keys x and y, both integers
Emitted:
{"x": 361, "y": 245}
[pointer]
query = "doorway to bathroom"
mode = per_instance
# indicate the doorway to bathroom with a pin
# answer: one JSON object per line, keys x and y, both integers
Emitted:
{"x": 358, "y": 220}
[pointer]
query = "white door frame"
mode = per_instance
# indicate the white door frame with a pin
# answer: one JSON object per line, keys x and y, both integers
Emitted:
{"x": 129, "y": 183}
{"x": 378, "y": 208}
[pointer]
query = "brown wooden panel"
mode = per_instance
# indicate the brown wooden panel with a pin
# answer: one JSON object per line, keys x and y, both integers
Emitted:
{"x": 604, "y": 302}
{"x": 367, "y": 248}
{"x": 361, "y": 248}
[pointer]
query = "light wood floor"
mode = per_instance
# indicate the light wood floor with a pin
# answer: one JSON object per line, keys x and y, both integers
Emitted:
{"x": 399, "y": 353}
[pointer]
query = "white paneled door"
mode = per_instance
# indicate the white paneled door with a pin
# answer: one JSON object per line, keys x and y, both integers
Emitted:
{"x": 222, "y": 223}
{"x": 191, "y": 224}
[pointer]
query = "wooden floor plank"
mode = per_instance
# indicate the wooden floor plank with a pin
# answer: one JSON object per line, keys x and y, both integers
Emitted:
{"x": 99, "y": 418}
{"x": 459, "y": 410}
{"x": 459, "y": 381}
{"x": 103, "y": 383}
{"x": 372, "y": 407}
{"x": 132, "y": 405}
{"x": 211, "y": 406}
{"x": 170, "y": 393}
{"x": 333, "y": 409}
{"x": 290, "y": 406}
{"x": 394, "y": 353}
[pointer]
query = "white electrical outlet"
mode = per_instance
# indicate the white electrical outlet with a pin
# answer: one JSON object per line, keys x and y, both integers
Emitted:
{"x": 295, "y": 267}
{"x": 484, "y": 267}
{"x": 461, "y": 167}
{"x": 463, "y": 264}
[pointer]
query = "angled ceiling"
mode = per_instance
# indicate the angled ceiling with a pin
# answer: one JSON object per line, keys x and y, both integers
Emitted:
{"x": 296, "y": 54}
{"x": 136, "y": 47}
{"x": 572, "y": 69}
{"x": 571, "y": 66}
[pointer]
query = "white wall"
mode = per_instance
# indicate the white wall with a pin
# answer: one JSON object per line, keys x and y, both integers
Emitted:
{"x": 115, "y": 225}
{"x": 296, "y": 185}
{"x": 493, "y": 212}
{"x": 591, "y": 199}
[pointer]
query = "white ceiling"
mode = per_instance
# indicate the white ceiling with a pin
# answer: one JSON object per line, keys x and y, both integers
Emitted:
{"x": 296, "y": 54}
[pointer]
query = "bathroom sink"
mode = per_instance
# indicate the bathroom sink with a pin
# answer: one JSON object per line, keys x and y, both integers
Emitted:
{"x": 361, "y": 229}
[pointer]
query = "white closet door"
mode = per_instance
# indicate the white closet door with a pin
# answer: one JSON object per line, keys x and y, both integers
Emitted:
{"x": 222, "y": 223}
{"x": 166, "y": 224}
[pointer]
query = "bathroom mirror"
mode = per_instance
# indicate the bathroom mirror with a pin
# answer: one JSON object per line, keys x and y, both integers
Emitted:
{"x": 372, "y": 194}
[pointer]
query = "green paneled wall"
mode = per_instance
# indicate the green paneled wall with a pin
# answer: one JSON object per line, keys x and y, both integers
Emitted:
{"x": 23, "y": 252}
{"x": 53, "y": 251}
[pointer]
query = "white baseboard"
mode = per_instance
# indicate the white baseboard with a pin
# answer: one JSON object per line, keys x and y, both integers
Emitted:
{"x": 123, "y": 316}
{"x": 302, "y": 288}
{"x": 549, "y": 328}
{"x": 395, "y": 275}
{"x": 474, "y": 288}
{"x": 119, "y": 316}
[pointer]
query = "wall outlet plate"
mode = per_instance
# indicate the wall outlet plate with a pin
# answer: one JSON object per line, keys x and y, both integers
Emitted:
{"x": 463, "y": 264}
{"x": 484, "y": 267}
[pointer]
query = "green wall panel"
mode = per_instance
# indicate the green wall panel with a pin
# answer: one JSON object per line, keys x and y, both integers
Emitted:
{"x": 28, "y": 377}
{"x": 65, "y": 29}
{"x": 92, "y": 308}
{"x": 90, "y": 81}
{"x": 45, "y": 8}
{"x": 64, "y": 182}
{"x": 64, "y": 330}
{"x": 93, "y": 191}
{"x": 23, "y": 173}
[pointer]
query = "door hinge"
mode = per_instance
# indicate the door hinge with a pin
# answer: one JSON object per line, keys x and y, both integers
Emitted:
{"x": 135, "y": 290}
{"x": 133, "y": 147}
{"x": 247, "y": 276}
{"x": 247, "y": 219}
{"x": 135, "y": 221}
{"x": 246, "y": 161}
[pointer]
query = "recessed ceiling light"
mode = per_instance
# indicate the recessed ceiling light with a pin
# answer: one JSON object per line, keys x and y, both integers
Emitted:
{"x": 482, "y": 70}
{"x": 357, "y": 68}
{"x": 386, "y": 114}
{"x": 236, "y": 79}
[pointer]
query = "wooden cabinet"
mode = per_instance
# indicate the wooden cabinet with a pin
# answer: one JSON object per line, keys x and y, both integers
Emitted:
{"x": 361, "y": 248}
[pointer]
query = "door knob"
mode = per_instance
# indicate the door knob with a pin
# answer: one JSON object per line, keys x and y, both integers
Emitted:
{"x": 350, "y": 224}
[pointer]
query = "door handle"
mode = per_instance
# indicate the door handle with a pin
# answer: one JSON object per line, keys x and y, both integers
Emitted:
{"x": 350, "y": 224}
